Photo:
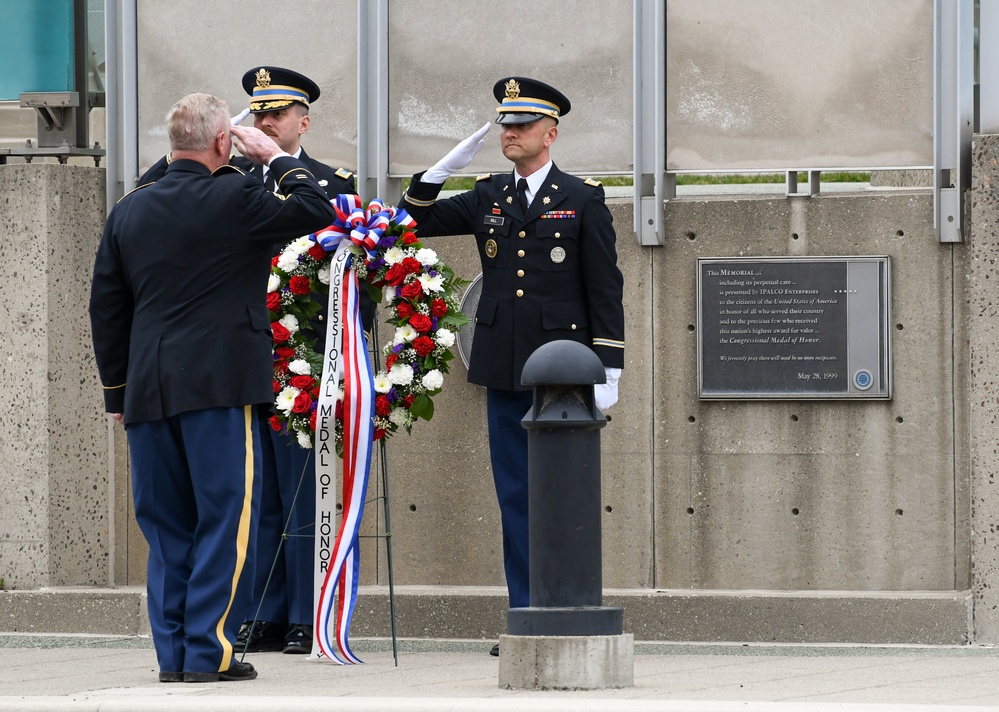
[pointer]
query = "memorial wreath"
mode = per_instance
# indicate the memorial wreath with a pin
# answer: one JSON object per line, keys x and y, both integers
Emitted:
{"x": 419, "y": 290}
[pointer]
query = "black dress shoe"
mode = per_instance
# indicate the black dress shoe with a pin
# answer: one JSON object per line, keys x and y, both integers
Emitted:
{"x": 495, "y": 651}
{"x": 260, "y": 637}
{"x": 299, "y": 640}
{"x": 171, "y": 677}
{"x": 236, "y": 673}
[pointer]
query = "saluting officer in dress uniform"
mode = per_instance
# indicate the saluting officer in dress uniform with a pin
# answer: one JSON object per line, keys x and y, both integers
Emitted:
{"x": 279, "y": 102}
{"x": 549, "y": 271}
{"x": 283, "y": 608}
{"x": 183, "y": 346}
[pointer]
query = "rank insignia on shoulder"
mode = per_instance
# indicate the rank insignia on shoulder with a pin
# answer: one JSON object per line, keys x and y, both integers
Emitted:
{"x": 594, "y": 183}
{"x": 341, "y": 173}
{"x": 301, "y": 176}
{"x": 483, "y": 177}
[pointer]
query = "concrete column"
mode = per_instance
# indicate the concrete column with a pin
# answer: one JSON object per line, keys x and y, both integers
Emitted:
{"x": 53, "y": 433}
{"x": 983, "y": 333}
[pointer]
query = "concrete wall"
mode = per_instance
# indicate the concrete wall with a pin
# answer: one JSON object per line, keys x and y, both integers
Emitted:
{"x": 700, "y": 541}
{"x": 787, "y": 520}
{"x": 54, "y": 530}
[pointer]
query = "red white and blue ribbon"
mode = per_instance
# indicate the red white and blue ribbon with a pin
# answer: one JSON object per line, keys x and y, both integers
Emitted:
{"x": 346, "y": 351}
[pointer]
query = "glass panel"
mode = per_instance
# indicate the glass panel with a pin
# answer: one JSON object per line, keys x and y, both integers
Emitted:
{"x": 37, "y": 49}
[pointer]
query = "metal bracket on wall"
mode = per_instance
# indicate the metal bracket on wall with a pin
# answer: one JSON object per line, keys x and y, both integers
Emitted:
{"x": 791, "y": 181}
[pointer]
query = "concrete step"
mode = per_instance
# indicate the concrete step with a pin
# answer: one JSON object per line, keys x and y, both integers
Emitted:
{"x": 475, "y": 613}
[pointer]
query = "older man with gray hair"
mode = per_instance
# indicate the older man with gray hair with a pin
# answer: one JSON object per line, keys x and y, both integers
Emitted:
{"x": 183, "y": 347}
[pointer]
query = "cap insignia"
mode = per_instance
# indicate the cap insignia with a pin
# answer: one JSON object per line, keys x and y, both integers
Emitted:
{"x": 512, "y": 89}
{"x": 263, "y": 78}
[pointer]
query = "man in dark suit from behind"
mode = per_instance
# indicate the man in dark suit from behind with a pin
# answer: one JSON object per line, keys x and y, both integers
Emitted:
{"x": 183, "y": 347}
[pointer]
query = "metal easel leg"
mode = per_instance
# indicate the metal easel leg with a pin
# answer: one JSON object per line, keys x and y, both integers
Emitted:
{"x": 383, "y": 462}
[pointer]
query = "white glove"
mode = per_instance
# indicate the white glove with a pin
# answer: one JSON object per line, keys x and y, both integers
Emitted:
{"x": 238, "y": 118}
{"x": 605, "y": 394}
{"x": 459, "y": 157}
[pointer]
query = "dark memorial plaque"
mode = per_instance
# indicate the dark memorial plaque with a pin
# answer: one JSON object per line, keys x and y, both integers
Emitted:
{"x": 790, "y": 327}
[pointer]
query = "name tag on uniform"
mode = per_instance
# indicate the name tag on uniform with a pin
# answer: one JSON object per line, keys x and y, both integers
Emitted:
{"x": 493, "y": 220}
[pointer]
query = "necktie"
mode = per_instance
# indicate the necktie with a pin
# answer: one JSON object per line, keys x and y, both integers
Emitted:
{"x": 269, "y": 181}
{"x": 522, "y": 193}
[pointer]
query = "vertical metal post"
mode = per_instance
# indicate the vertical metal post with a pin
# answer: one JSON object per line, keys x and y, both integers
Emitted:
{"x": 372, "y": 103}
{"x": 122, "y": 103}
{"x": 80, "y": 84}
{"x": 651, "y": 184}
{"x": 953, "y": 91}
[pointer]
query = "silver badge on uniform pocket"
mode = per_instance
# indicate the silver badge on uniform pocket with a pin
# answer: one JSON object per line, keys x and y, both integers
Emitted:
{"x": 558, "y": 255}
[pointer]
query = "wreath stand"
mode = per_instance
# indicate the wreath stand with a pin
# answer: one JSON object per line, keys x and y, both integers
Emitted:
{"x": 386, "y": 534}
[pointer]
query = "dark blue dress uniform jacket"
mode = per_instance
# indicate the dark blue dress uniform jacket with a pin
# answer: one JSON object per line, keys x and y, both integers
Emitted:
{"x": 550, "y": 274}
{"x": 335, "y": 182}
{"x": 177, "y": 306}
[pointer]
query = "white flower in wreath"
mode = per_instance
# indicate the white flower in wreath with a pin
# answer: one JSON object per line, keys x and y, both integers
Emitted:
{"x": 300, "y": 367}
{"x": 426, "y": 256}
{"x": 431, "y": 284}
{"x": 273, "y": 283}
{"x": 304, "y": 440}
{"x": 286, "y": 400}
{"x": 404, "y": 334}
{"x": 432, "y": 380}
{"x": 289, "y": 322}
{"x": 288, "y": 261}
{"x": 394, "y": 255}
{"x": 382, "y": 383}
{"x": 301, "y": 245}
{"x": 388, "y": 294}
{"x": 399, "y": 416}
{"x": 445, "y": 338}
{"x": 401, "y": 374}
{"x": 323, "y": 275}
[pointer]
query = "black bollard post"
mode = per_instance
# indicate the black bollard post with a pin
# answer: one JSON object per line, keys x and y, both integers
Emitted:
{"x": 564, "y": 497}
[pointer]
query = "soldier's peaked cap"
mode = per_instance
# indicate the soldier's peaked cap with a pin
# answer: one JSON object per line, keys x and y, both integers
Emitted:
{"x": 524, "y": 100}
{"x": 273, "y": 88}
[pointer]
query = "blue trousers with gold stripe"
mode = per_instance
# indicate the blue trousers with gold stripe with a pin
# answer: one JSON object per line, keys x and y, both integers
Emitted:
{"x": 508, "y": 456}
{"x": 196, "y": 486}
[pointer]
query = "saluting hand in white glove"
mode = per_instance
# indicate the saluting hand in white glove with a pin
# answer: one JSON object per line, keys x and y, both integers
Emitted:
{"x": 459, "y": 157}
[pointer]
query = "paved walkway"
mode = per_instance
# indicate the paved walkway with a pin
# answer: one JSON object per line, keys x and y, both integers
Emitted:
{"x": 119, "y": 674}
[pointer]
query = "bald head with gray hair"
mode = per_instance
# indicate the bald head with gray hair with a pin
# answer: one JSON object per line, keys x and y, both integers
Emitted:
{"x": 194, "y": 122}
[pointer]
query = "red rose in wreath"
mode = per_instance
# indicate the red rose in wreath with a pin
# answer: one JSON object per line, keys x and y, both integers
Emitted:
{"x": 281, "y": 334}
{"x": 421, "y": 322}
